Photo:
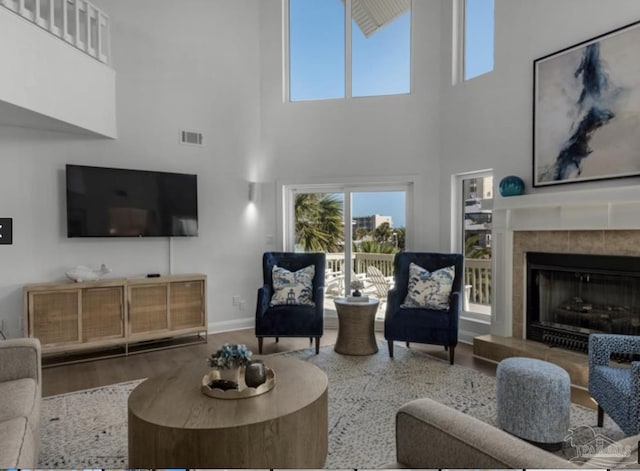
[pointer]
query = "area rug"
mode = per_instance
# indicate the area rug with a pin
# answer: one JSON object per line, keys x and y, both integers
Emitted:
{"x": 87, "y": 429}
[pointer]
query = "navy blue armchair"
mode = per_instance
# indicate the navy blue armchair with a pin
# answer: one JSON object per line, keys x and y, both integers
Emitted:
{"x": 290, "y": 320}
{"x": 436, "y": 327}
{"x": 616, "y": 388}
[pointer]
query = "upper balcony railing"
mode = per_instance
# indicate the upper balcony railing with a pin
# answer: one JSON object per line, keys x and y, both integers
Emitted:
{"x": 78, "y": 22}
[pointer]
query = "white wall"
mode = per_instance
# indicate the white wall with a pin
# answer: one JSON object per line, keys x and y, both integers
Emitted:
{"x": 216, "y": 67}
{"x": 487, "y": 121}
{"x": 358, "y": 138}
{"x": 30, "y": 55}
{"x": 194, "y": 67}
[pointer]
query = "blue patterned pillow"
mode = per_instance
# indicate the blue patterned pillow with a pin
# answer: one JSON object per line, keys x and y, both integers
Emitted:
{"x": 293, "y": 288}
{"x": 429, "y": 290}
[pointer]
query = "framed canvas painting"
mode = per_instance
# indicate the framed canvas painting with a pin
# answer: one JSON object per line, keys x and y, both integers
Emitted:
{"x": 586, "y": 110}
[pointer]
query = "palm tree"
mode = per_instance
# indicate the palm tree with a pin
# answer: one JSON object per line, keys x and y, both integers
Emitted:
{"x": 383, "y": 232}
{"x": 372, "y": 246}
{"x": 361, "y": 233}
{"x": 472, "y": 249}
{"x": 319, "y": 222}
{"x": 400, "y": 236}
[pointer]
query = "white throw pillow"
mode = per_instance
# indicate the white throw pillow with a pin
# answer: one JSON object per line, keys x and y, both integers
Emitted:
{"x": 292, "y": 288}
{"x": 429, "y": 290}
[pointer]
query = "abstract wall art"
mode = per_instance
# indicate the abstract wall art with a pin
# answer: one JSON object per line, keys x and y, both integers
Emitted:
{"x": 586, "y": 110}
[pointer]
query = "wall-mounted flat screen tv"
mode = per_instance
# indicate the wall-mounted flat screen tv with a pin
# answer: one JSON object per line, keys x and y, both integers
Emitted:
{"x": 116, "y": 202}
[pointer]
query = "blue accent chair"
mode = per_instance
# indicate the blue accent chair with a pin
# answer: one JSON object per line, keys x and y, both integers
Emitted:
{"x": 423, "y": 325}
{"x": 615, "y": 388}
{"x": 290, "y": 320}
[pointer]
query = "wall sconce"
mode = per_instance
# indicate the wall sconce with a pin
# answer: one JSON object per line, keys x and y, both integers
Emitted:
{"x": 253, "y": 192}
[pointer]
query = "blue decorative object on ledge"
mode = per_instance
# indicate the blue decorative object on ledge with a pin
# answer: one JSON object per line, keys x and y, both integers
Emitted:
{"x": 511, "y": 186}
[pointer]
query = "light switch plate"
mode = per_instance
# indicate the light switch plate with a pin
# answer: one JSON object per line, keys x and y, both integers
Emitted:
{"x": 6, "y": 231}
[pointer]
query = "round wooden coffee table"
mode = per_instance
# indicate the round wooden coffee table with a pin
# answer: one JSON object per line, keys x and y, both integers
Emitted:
{"x": 172, "y": 424}
{"x": 356, "y": 327}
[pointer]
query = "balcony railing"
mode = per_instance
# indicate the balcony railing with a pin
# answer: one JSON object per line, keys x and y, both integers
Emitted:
{"x": 78, "y": 22}
{"x": 477, "y": 272}
{"x": 360, "y": 261}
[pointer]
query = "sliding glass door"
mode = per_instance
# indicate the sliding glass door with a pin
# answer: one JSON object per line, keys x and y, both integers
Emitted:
{"x": 358, "y": 228}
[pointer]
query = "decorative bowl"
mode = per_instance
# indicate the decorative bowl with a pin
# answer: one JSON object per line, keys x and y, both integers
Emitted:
{"x": 241, "y": 392}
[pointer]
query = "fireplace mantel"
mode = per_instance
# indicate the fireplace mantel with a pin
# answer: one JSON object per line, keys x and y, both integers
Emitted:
{"x": 562, "y": 221}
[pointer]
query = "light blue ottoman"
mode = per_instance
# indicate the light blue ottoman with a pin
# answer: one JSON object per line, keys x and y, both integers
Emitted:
{"x": 533, "y": 400}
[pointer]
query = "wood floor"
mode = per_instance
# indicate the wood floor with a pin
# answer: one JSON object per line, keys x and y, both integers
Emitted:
{"x": 90, "y": 374}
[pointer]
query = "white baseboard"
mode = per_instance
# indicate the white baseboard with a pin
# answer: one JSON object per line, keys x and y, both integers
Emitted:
{"x": 250, "y": 322}
{"x": 465, "y": 336}
{"x": 235, "y": 324}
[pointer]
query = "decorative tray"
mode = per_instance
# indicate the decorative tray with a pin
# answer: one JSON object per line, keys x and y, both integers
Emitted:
{"x": 243, "y": 391}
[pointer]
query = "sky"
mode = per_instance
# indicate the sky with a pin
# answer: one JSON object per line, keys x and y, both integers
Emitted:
{"x": 384, "y": 203}
{"x": 381, "y": 65}
{"x": 479, "y": 37}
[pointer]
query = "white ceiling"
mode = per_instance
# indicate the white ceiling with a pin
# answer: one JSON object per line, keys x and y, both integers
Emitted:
{"x": 12, "y": 115}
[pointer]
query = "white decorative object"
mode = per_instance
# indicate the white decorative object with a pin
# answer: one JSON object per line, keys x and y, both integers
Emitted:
{"x": 83, "y": 273}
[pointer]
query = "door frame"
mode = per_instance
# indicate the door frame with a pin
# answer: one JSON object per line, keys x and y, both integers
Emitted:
{"x": 286, "y": 192}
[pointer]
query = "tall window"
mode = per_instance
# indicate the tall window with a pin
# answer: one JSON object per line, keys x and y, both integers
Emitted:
{"x": 478, "y": 37}
{"x": 381, "y": 55}
{"x": 325, "y": 61}
{"x": 474, "y": 212}
{"x": 316, "y": 49}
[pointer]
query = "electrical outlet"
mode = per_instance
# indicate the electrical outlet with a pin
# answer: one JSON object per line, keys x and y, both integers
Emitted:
{"x": 242, "y": 304}
{"x": 235, "y": 300}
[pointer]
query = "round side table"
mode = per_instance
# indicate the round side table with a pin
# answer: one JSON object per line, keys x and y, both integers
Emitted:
{"x": 356, "y": 327}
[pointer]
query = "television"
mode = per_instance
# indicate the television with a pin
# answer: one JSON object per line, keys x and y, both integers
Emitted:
{"x": 117, "y": 202}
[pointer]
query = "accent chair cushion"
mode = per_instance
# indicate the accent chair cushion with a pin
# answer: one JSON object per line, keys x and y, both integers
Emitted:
{"x": 292, "y": 288}
{"x": 429, "y": 290}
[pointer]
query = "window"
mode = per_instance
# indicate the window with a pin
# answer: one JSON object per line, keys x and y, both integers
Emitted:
{"x": 478, "y": 37}
{"x": 381, "y": 55}
{"x": 316, "y": 49}
{"x": 348, "y": 48}
{"x": 473, "y": 211}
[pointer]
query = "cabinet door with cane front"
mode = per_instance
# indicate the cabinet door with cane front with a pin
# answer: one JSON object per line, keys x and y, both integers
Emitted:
{"x": 54, "y": 317}
{"x": 102, "y": 313}
{"x": 186, "y": 304}
{"x": 148, "y": 308}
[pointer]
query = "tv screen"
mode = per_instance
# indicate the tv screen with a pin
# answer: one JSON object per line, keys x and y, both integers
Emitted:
{"x": 116, "y": 202}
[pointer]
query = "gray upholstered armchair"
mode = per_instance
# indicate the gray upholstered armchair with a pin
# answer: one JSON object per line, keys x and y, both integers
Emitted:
{"x": 291, "y": 319}
{"x": 616, "y": 388}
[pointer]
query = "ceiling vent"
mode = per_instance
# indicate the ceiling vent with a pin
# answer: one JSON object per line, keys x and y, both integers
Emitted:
{"x": 191, "y": 138}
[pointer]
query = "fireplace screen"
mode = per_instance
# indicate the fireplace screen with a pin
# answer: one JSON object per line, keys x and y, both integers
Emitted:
{"x": 570, "y": 296}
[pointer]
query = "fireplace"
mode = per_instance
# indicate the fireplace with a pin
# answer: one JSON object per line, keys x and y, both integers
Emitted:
{"x": 569, "y": 296}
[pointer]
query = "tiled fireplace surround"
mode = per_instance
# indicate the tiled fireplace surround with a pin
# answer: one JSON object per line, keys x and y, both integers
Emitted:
{"x": 603, "y": 221}
{"x": 595, "y": 242}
